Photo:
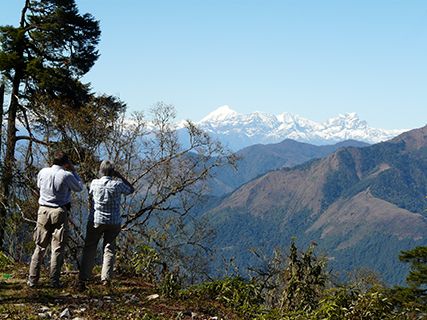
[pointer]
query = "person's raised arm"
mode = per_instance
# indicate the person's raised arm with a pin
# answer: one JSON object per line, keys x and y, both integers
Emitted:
{"x": 130, "y": 188}
{"x": 38, "y": 180}
{"x": 74, "y": 181}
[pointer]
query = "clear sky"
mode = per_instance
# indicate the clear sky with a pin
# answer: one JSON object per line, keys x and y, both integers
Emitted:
{"x": 315, "y": 58}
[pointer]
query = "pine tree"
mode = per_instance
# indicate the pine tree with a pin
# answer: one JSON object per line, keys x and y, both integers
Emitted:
{"x": 304, "y": 279}
{"x": 41, "y": 62}
{"x": 417, "y": 257}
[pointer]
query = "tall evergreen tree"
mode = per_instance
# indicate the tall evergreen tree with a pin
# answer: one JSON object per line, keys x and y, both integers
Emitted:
{"x": 42, "y": 61}
{"x": 417, "y": 257}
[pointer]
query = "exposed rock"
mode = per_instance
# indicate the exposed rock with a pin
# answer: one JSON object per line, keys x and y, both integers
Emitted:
{"x": 153, "y": 297}
{"x": 65, "y": 314}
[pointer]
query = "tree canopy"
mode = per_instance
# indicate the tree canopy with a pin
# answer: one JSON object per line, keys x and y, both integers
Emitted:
{"x": 42, "y": 61}
{"x": 417, "y": 257}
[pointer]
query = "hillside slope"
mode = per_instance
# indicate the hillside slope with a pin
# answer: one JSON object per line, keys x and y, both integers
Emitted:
{"x": 259, "y": 159}
{"x": 362, "y": 206}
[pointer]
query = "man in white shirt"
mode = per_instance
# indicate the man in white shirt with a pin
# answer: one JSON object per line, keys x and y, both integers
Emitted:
{"x": 55, "y": 184}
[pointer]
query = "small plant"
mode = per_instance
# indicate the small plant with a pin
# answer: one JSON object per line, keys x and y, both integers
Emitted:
{"x": 6, "y": 262}
{"x": 149, "y": 317}
{"x": 143, "y": 262}
{"x": 370, "y": 306}
{"x": 241, "y": 295}
{"x": 304, "y": 280}
{"x": 170, "y": 285}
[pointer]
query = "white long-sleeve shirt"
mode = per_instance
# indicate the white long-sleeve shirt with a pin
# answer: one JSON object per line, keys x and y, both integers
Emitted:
{"x": 55, "y": 184}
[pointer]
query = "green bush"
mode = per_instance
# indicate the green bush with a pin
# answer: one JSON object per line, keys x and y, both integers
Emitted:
{"x": 370, "y": 306}
{"x": 304, "y": 280}
{"x": 348, "y": 303}
{"x": 240, "y": 295}
{"x": 170, "y": 285}
{"x": 143, "y": 262}
{"x": 6, "y": 263}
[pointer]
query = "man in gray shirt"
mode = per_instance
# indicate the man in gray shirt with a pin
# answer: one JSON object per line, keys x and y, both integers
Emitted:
{"x": 55, "y": 184}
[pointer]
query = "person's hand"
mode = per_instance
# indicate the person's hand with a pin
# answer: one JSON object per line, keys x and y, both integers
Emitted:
{"x": 118, "y": 174}
{"x": 69, "y": 167}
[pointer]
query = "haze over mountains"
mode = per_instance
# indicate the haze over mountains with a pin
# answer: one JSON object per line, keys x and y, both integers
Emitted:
{"x": 241, "y": 130}
{"x": 362, "y": 206}
{"x": 259, "y": 159}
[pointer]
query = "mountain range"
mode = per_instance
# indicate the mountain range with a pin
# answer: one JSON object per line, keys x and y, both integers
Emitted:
{"x": 256, "y": 160}
{"x": 361, "y": 205}
{"x": 241, "y": 130}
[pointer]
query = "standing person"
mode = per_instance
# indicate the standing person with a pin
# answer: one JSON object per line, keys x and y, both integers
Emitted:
{"x": 55, "y": 184}
{"x": 104, "y": 221}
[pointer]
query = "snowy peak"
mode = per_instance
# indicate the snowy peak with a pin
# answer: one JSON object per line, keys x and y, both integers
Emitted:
{"x": 241, "y": 130}
{"x": 348, "y": 121}
{"x": 220, "y": 114}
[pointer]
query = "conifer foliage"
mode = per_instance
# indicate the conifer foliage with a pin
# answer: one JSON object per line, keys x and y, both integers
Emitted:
{"x": 417, "y": 257}
{"x": 42, "y": 61}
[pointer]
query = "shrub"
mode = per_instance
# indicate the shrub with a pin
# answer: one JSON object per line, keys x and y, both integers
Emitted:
{"x": 6, "y": 263}
{"x": 170, "y": 285}
{"x": 240, "y": 295}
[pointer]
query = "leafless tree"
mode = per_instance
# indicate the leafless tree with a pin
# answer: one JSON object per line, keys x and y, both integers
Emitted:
{"x": 170, "y": 168}
{"x": 171, "y": 177}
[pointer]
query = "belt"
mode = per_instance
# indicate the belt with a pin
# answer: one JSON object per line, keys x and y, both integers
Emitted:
{"x": 45, "y": 205}
{"x": 66, "y": 206}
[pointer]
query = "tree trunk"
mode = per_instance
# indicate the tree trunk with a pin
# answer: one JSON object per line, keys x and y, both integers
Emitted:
{"x": 9, "y": 159}
{"x": 2, "y": 214}
{"x": 2, "y": 89}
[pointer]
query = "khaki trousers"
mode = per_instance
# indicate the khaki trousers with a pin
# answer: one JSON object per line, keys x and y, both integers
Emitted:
{"x": 51, "y": 228}
{"x": 93, "y": 234}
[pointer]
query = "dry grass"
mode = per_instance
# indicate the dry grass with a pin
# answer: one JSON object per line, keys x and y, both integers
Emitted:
{"x": 125, "y": 299}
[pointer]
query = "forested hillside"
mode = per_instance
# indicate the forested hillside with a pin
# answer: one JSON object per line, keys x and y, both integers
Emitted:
{"x": 360, "y": 205}
{"x": 258, "y": 159}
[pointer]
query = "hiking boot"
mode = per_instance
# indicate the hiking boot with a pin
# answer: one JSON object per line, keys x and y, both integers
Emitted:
{"x": 81, "y": 286}
{"x": 56, "y": 285}
{"x": 31, "y": 284}
{"x": 106, "y": 283}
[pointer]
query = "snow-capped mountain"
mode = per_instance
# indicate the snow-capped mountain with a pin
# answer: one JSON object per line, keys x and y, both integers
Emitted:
{"x": 240, "y": 130}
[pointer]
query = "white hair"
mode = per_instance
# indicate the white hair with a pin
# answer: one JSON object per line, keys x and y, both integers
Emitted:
{"x": 106, "y": 168}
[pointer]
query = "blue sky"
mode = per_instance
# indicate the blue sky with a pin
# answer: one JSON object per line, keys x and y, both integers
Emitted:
{"x": 314, "y": 58}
